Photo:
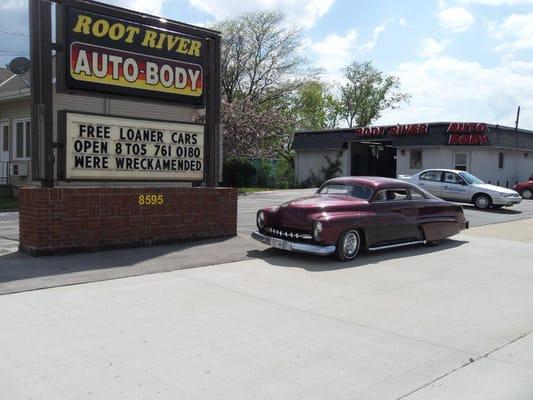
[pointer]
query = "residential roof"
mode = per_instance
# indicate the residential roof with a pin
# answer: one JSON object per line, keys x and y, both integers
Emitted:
{"x": 437, "y": 135}
{"x": 12, "y": 82}
{"x": 15, "y": 86}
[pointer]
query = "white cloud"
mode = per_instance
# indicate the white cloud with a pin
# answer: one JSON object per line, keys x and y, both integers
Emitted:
{"x": 378, "y": 30}
{"x": 514, "y": 33}
{"x": 302, "y": 12}
{"x": 445, "y": 89}
{"x": 8, "y": 5}
{"x": 432, "y": 47}
{"x": 333, "y": 53}
{"x": 455, "y": 19}
{"x": 402, "y": 22}
{"x": 151, "y": 7}
{"x": 498, "y": 2}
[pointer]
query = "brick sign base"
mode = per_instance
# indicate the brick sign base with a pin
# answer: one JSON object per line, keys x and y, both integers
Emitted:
{"x": 61, "y": 220}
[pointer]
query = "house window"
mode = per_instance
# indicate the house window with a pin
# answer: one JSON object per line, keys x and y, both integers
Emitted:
{"x": 416, "y": 159}
{"x": 5, "y": 137}
{"x": 461, "y": 161}
{"x": 22, "y": 139}
{"x": 500, "y": 160}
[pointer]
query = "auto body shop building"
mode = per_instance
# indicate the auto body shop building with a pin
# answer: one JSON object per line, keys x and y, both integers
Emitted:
{"x": 497, "y": 154}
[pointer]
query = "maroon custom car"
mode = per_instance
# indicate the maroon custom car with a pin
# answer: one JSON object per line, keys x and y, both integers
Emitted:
{"x": 353, "y": 213}
{"x": 525, "y": 188}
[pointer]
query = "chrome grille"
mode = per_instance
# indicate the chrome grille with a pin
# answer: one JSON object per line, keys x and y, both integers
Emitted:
{"x": 286, "y": 234}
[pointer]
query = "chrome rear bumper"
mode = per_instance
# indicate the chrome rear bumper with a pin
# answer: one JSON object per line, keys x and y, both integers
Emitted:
{"x": 293, "y": 246}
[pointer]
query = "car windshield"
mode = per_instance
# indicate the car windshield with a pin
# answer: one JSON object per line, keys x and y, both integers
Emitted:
{"x": 469, "y": 178}
{"x": 360, "y": 192}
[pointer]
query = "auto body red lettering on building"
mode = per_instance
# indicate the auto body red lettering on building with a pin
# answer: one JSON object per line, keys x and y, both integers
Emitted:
{"x": 466, "y": 127}
{"x": 468, "y": 139}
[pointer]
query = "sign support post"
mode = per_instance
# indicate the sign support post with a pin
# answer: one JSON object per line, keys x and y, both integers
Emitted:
{"x": 42, "y": 155}
{"x": 212, "y": 112}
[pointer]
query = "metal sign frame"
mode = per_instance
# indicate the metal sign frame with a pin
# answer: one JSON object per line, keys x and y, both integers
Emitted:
{"x": 62, "y": 135}
{"x": 42, "y": 88}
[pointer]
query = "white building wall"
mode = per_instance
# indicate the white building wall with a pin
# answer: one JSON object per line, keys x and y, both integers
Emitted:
{"x": 432, "y": 157}
{"x": 9, "y": 112}
{"x": 482, "y": 162}
{"x": 524, "y": 163}
{"x": 308, "y": 161}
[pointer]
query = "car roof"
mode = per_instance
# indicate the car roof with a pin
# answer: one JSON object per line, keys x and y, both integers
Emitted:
{"x": 442, "y": 170}
{"x": 375, "y": 182}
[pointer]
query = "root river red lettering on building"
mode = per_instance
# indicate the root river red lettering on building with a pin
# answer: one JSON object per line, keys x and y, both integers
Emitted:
{"x": 395, "y": 130}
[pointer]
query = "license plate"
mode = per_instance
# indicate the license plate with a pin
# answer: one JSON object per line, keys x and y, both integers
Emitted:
{"x": 277, "y": 243}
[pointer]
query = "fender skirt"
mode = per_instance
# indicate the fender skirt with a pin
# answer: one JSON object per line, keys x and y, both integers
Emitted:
{"x": 440, "y": 230}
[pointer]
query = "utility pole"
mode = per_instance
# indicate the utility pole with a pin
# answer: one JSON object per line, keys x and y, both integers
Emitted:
{"x": 516, "y": 126}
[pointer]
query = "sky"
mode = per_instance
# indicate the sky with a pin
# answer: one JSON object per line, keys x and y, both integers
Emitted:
{"x": 460, "y": 60}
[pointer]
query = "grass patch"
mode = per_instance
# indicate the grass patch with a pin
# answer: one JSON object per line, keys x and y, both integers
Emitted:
{"x": 8, "y": 203}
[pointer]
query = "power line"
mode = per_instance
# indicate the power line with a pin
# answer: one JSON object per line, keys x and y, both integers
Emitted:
{"x": 14, "y": 33}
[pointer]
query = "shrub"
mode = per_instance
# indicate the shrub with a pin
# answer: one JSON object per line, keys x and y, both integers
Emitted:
{"x": 238, "y": 172}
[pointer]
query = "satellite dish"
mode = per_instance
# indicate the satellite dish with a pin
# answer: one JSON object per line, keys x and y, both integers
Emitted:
{"x": 19, "y": 65}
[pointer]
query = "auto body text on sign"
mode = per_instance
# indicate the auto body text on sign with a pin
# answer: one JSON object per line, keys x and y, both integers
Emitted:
{"x": 111, "y": 55}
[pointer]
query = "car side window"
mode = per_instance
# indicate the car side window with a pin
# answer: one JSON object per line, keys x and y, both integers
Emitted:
{"x": 417, "y": 195}
{"x": 392, "y": 195}
{"x": 450, "y": 177}
{"x": 430, "y": 176}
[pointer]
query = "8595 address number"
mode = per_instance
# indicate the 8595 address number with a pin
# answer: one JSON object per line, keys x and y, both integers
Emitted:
{"x": 151, "y": 199}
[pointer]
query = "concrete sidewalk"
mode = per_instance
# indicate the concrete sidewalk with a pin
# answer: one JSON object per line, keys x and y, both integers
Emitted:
{"x": 446, "y": 322}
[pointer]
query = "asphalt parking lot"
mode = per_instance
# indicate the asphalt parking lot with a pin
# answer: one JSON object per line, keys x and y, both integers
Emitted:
{"x": 250, "y": 203}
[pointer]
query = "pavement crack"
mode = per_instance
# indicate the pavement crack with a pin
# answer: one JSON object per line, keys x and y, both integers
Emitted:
{"x": 6, "y": 238}
{"x": 470, "y": 362}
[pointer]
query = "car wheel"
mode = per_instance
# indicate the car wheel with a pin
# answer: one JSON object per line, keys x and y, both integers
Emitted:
{"x": 348, "y": 245}
{"x": 526, "y": 194}
{"x": 482, "y": 201}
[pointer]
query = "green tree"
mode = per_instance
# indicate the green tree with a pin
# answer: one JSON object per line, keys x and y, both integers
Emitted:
{"x": 315, "y": 107}
{"x": 261, "y": 68}
{"x": 260, "y": 58}
{"x": 367, "y": 93}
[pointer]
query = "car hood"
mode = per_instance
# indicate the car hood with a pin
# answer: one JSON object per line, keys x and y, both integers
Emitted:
{"x": 493, "y": 188}
{"x": 301, "y": 212}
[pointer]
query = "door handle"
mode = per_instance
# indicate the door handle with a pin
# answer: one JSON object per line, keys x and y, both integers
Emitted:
{"x": 421, "y": 183}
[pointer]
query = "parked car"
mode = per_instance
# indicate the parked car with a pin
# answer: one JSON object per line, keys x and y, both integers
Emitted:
{"x": 353, "y": 213}
{"x": 463, "y": 187}
{"x": 525, "y": 188}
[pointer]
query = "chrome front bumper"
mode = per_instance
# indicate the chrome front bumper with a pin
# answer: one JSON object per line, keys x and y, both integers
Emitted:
{"x": 293, "y": 246}
{"x": 506, "y": 201}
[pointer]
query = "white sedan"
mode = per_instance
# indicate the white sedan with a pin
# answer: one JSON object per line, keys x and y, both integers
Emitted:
{"x": 462, "y": 187}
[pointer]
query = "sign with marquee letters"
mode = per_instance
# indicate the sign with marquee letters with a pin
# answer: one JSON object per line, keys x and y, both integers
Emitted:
{"x": 114, "y": 148}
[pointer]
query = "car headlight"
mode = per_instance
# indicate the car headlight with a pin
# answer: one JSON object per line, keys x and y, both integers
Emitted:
{"x": 260, "y": 219}
{"x": 317, "y": 230}
{"x": 506, "y": 194}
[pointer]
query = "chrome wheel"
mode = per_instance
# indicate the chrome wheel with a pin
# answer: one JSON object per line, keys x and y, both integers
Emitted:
{"x": 526, "y": 194}
{"x": 348, "y": 245}
{"x": 482, "y": 201}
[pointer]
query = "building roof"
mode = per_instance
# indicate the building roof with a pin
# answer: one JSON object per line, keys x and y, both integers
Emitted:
{"x": 437, "y": 135}
{"x": 16, "y": 86}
